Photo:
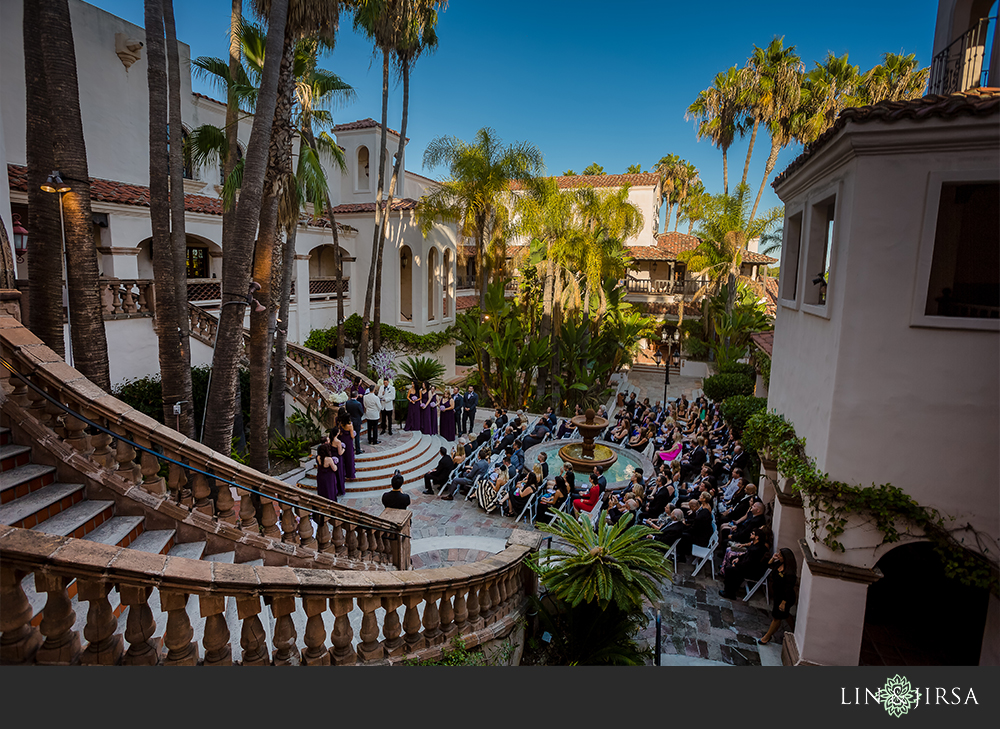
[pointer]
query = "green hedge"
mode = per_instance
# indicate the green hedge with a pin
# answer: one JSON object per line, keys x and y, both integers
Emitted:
{"x": 723, "y": 386}
{"x": 739, "y": 368}
{"x": 323, "y": 340}
{"x": 738, "y": 409}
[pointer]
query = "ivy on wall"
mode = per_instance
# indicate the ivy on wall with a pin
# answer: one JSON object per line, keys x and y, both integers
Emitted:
{"x": 400, "y": 340}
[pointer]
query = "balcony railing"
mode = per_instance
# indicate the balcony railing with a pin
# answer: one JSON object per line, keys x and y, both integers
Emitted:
{"x": 663, "y": 286}
{"x": 964, "y": 64}
{"x": 204, "y": 289}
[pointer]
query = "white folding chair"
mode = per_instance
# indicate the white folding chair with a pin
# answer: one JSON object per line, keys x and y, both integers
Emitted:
{"x": 672, "y": 554}
{"x": 473, "y": 487}
{"x": 705, "y": 554}
{"x": 757, "y": 584}
{"x": 529, "y": 507}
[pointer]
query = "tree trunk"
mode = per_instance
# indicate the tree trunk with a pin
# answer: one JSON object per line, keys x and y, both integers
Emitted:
{"x": 45, "y": 257}
{"x": 239, "y": 251}
{"x": 90, "y": 344}
{"x": 771, "y": 159}
{"x": 279, "y": 363}
{"x": 725, "y": 172}
{"x": 545, "y": 329}
{"x": 279, "y": 167}
{"x": 483, "y": 284}
{"x": 176, "y": 380}
{"x": 362, "y": 358}
{"x": 388, "y": 208}
{"x": 557, "y": 292}
{"x": 753, "y": 138}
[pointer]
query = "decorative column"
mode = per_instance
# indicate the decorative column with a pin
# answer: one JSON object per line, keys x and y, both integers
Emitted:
{"x": 62, "y": 643}
{"x": 269, "y": 518}
{"x": 447, "y": 615}
{"x": 303, "y": 320}
{"x": 218, "y": 650}
{"x": 316, "y": 653}
{"x": 178, "y": 638}
{"x": 342, "y": 636}
{"x": 139, "y": 627}
{"x": 392, "y": 643}
{"x": 20, "y": 640}
{"x": 306, "y": 538}
{"x": 370, "y": 649}
{"x": 411, "y": 624}
{"x": 106, "y": 646}
{"x": 285, "y": 650}
{"x": 432, "y": 619}
{"x": 253, "y": 640}
{"x": 476, "y": 621}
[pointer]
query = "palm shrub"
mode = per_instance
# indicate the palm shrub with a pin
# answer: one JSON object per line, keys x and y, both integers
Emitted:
{"x": 597, "y": 586}
{"x": 423, "y": 369}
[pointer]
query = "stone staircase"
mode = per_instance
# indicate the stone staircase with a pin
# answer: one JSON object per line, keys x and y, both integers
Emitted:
{"x": 416, "y": 456}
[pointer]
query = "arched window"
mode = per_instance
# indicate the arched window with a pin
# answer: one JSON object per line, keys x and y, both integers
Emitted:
{"x": 405, "y": 284}
{"x": 432, "y": 284}
{"x": 364, "y": 179}
{"x": 447, "y": 281}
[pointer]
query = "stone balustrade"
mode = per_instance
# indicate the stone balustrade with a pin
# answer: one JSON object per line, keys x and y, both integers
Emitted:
{"x": 203, "y": 497}
{"x": 480, "y": 602}
{"x": 319, "y": 364}
{"x": 127, "y": 298}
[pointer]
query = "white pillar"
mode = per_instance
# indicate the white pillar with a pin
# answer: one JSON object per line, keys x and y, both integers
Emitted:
{"x": 303, "y": 324}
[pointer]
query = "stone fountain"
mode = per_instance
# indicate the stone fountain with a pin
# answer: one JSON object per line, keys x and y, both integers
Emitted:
{"x": 587, "y": 454}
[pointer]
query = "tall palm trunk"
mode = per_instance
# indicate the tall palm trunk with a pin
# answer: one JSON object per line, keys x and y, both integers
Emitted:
{"x": 90, "y": 344}
{"x": 557, "y": 295}
{"x": 237, "y": 256}
{"x": 177, "y": 378}
{"x": 725, "y": 172}
{"x": 279, "y": 168}
{"x": 753, "y": 138}
{"x": 771, "y": 160}
{"x": 377, "y": 338}
{"x": 370, "y": 294}
{"x": 45, "y": 261}
{"x": 545, "y": 327}
{"x": 279, "y": 364}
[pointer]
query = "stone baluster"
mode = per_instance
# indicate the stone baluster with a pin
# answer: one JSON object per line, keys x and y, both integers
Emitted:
{"x": 101, "y": 443}
{"x": 252, "y": 637}
{"x": 62, "y": 643}
{"x": 316, "y": 653}
{"x": 19, "y": 641}
{"x": 143, "y": 300}
{"x": 176, "y": 481}
{"x": 411, "y": 624}
{"x": 19, "y": 394}
{"x": 432, "y": 619}
{"x": 289, "y": 528}
{"x": 106, "y": 646}
{"x": 364, "y": 545}
{"x": 306, "y": 538}
{"x": 269, "y": 518}
{"x": 286, "y": 653}
{"x": 178, "y": 638}
{"x": 323, "y": 543}
{"x": 128, "y": 299}
{"x": 392, "y": 644}
{"x": 116, "y": 296}
{"x": 55, "y": 414}
{"x": 342, "y": 636}
{"x": 496, "y": 601}
{"x": 447, "y": 615}
{"x": 338, "y": 539}
{"x": 378, "y": 548}
{"x": 352, "y": 542}
{"x": 127, "y": 467}
{"x": 486, "y": 608}
{"x": 201, "y": 494}
{"x": 369, "y": 649}
{"x": 37, "y": 409}
{"x": 150, "y": 468}
{"x": 248, "y": 515}
{"x": 218, "y": 649}
{"x": 225, "y": 503}
{"x": 76, "y": 435}
{"x": 139, "y": 627}
{"x": 460, "y": 613}
{"x": 472, "y": 604}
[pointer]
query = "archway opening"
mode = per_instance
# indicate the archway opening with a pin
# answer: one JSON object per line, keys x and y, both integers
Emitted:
{"x": 405, "y": 284}
{"x": 447, "y": 280}
{"x": 432, "y": 284}
{"x": 917, "y": 616}
{"x": 364, "y": 178}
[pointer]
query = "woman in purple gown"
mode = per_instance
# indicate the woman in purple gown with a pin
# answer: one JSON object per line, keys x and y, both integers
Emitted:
{"x": 337, "y": 448}
{"x": 346, "y": 436}
{"x": 413, "y": 408}
{"x": 447, "y": 410}
{"x": 326, "y": 472}
{"x": 433, "y": 401}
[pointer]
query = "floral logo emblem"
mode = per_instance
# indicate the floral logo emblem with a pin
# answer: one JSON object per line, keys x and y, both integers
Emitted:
{"x": 897, "y": 696}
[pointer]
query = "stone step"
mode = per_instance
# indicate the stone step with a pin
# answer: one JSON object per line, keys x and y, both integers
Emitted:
{"x": 22, "y": 480}
{"x": 12, "y": 456}
{"x": 377, "y": 479}
{"x": 118, "y": 531}
{"x": 78, "y": 520}
{"x": 372, "y": 457}
{"x": 187, "y": 550}
{"x": 40, "y": 505}
{"x": 158, "y": 541}
{"x": 5, "y": 436}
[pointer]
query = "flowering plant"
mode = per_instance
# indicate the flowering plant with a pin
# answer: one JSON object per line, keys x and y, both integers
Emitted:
{"x": 383, "y": 364}
{"x": 338, "y": 381}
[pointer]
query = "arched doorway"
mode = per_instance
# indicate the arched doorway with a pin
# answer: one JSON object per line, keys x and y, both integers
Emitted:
{"x": 405, "y": 284}
{"x": 448, "y": 281}
{"x": 363, "y": 177}
{"x": 433, "y": 294}
{"x": 917, "y": 616}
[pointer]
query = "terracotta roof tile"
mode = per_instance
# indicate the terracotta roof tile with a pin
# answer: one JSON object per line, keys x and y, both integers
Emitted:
{"x": 464, "y": 303}
{"x": 764, "y": 340}
{"x": 208, "y": 98}
{"x": 369, "y": 207}
{"x": 668, "y": 245}
{"x": 974, "y": 102}
{"x": 574, "y": 181}
{"x": 753, "y": 257}
{"x": 368, "y": 123}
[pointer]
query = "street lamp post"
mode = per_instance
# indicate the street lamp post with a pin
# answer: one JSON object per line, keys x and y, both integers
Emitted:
{"x": 55, "y": 183}
{"x": 670, "y": 355}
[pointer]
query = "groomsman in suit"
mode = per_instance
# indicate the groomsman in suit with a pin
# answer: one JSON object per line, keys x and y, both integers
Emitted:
{"x": 471, "y": 402}
{"x": 459, "y": 412}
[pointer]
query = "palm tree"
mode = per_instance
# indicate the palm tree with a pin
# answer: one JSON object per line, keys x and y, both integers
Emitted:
{"x": 667, "y": 168}
{"x": 717, "y": 111}
{"x": 417, "y": 35}
{"x": 238, "y": 254}
{"x": 897, "y": 78}
{"x": 90, "y": 346}
{"x": 693, "y": 208}
{"x": 777, "y": 71}
{"x": 165, "y": 187}
{"x": 686, "y": 177}
{"x": 826, "y": 91}
{"x": 45, "y": 263}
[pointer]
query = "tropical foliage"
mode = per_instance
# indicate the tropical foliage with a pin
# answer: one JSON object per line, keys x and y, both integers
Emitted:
{"x": 422, "y": 369}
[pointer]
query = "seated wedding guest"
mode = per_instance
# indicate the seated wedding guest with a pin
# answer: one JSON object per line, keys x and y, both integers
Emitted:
{"x": 658, "y": 501}
{"x": 566, "y": 429}
{"x": 541, "y": 467}
{"x": 570, "y": 476}
{"x": 396, "y": 499}
{"x": 554, "y": 497}
{"x": 492, "y": 489}
{"x": 440, "y": 474}
{"x": 669, "y": 530}
{"x": 536, "y": 435}
{"x": 741, "y": 502}
{"x": 746, "y": 561}
{"x": 698, "y": 530}
{"x": 640, "y": 441}
{"x": 468, "y": 474}
{"x": 589, "y": 500}
{"x": 522, "y": 494}
{"x": 739, "y": 530}
{"x": 485, "y": 435}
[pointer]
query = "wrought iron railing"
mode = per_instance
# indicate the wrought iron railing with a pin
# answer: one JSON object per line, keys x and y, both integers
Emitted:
{"x": 964, "y": 64}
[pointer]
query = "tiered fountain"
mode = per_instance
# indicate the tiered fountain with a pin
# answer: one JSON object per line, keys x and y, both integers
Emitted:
{"x": 586, "y": 454}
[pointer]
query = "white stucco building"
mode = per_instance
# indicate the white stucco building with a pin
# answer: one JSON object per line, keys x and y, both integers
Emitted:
{"x": 418, "y": 277}
{"x": 886, "y": 358}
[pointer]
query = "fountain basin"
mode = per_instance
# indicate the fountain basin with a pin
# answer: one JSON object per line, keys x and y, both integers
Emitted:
{"x": 619, "y": 473}
{"x": 576, "y": 454}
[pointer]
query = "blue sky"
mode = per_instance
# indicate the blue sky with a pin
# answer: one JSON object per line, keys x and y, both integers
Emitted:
{"x": 587, "y": 81}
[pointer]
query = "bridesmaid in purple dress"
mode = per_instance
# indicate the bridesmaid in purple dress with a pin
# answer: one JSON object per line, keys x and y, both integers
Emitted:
{"x": 337, "y": 448}
{"x": 346, "y": 436}
{"x": 413, "y": 409}
{"x": 326, "y": 473}
{"x": 447, "y": 409}
{"x": 432, "y": 408}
